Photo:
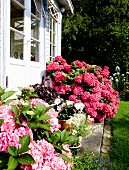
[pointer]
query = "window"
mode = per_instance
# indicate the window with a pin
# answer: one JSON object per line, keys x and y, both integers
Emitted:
{"x": 53, "y": 25}
{"x": 17, "y": 34}
{"x": 17, "y": 29}
{"x": 35, "y": 22}
{"x": 52, "y": 38}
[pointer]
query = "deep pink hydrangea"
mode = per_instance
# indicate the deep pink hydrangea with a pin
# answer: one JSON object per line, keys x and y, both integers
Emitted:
{"x": 90, "y": 84}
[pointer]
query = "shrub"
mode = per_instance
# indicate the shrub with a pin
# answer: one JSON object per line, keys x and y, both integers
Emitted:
{"x": 120, "y": 83}
{"x": 20, "y": 121}
{"x": 87, "y": 84}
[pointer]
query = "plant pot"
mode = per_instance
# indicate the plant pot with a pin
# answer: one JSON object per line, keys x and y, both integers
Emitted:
{"x": 75, "y": 149}
{"x": 64, "y": 124}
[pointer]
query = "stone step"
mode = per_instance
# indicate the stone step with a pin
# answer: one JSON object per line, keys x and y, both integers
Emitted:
{"x": 93, "y": 141}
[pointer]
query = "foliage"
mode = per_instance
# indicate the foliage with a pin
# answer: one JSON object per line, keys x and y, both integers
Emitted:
{"x": 45, "y": 92}
{"x": 4, "y": 95}
{"x": 120, "y": 82}
{"x": 120, "y": 138}
{"x": 87, "y": 84}
{"x": 89, "y": 160}
{"x": 78, "y": 125}
{"x": 97, "y": 33}
{"x": 17, "y": 156}
{"x": 27, "y": 93}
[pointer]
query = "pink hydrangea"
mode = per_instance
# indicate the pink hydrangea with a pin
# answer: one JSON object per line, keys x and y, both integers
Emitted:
{"x": 42, "y": 151}
{"x": 59, "y": 76}
{"x": 78, "y": 90}
{"x": 90, "y": 84}
{"x": 78, "y": 79}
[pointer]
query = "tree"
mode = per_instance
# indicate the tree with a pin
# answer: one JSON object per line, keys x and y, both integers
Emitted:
{"x": 97, "y": 33}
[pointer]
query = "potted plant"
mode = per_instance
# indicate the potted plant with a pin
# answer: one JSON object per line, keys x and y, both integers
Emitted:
{"x": 78, "y": 126}
{"x": 66, "y": 109}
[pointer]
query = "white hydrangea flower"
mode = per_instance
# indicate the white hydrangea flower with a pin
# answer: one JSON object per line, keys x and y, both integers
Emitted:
{"x": 111, "y": 78}
{"x": 79, "y": 106}
{"x": 59, "y": 108}
{"x": 69, "y": 103}
{"x": 57, "y": 101}
{"x": 74, "y": 132}
{"x": 118, "y": 73}
{"x": 116, "y": 80}
{"x": 117, "y": 68}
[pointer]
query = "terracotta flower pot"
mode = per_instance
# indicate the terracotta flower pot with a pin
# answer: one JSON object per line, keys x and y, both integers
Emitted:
{"x": 64, "y": 124}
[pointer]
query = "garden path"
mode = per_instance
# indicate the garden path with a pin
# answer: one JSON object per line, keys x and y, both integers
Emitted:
{"x": 98, "y": 140}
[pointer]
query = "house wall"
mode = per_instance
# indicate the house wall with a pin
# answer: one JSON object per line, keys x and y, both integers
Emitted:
{"x": 1, "y": 48}
{"x": 0, "y": 43}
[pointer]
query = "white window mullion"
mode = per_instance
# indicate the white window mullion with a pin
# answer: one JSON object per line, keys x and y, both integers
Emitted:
{"x": 27, "y": 39}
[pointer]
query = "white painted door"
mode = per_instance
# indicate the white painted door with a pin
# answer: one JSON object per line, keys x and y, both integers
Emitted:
{"x": 27, "y": 62}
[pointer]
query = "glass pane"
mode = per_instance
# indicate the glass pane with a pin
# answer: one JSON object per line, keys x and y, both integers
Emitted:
{"x": 51, "y": 36}
{"x": 21, "y": 2}
{"x": 16, "y": 45}
{"x": 54, "y": 39}
{"x": 50, "y": 49}
{"x": 35, "y": 7}
{"x": 16, "y": 39}
{"x": 34, "y": 51}
{"x": 17, "y": 17}
{"x": 34, "y": 28}
{"x": 50, "y": 23}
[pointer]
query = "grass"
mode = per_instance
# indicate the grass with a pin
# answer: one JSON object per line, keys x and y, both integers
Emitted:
{"x": 119, "y": 152}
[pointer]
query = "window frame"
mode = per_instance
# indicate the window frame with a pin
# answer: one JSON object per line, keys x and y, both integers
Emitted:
{"x": 27, "y": 34}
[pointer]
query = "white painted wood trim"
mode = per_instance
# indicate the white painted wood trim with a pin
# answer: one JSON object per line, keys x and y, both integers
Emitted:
{"x": 1, "y": 47}
{"x": 6, "y": 39}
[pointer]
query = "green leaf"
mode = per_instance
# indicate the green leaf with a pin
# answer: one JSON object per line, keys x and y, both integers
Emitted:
{"x": 8, "y": 101}
{"x": 7, "y": 94}
{"x": 71, "y": 139}
{"x": 13, "y": 150}
{"x": 25, "y": 108}
{"x": 26, "y": 159}
{"x": 35, "y": 125}
{"x": 64, "y": 135}
{"x": 55, "y": 139}
{"x": 46, "y": 133}
{"x": 13, "y": 163}
{"x": 1, "y": 121}
{"x": 48, "y": 108}
{"x": 23, "y": 149}
{"x": 44, "y": 117}
{"x": 25, "y": 140}
{"x": 1, "y": 91}
{"x": 18, "y": 121}
{"x": 65, "y": 158}
{"x": 40, "y": 106}
{"x": 15, "y": 109}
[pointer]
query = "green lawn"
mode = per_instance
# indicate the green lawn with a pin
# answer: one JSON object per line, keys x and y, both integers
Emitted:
{"x": 119, "y": 152}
